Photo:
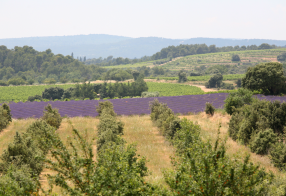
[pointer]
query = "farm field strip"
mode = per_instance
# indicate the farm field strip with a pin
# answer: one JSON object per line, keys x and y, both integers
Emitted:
{"x": 132, "y": 106}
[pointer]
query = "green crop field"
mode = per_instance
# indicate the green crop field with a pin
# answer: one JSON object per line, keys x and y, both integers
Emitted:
{"x": 21, "y": 93}
{"x": 248, "y": 57}
{"x": 202, "y": 78}
{"x": 169, "y": 89}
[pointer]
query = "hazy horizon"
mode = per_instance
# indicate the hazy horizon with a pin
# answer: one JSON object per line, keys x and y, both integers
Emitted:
{"x": 180, "y": 19}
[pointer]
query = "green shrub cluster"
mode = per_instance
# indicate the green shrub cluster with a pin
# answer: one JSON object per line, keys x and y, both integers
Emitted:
{"x": 23, "y": 160}
{"x": 109, "y": 129}
{"x": 210, "y": 109}
{"x": 202, "y": 168}
{"x": 52, "y": 116}
{"x": 261, "y": 126}
{"x": 237, "y": 99}
{"x": 164, "y": 118}
{"x": 150, "y": 94}
{"x": 5, "y": 116}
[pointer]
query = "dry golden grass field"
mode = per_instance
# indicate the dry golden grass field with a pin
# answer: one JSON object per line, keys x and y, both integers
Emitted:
{"x": 150, "y": 142}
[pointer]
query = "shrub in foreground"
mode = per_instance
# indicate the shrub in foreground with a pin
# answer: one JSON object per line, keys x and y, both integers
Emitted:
{"x": 106, "y": 105}
{"x": 204, "y": 169}
{"x": 5, "y": 116}
{"x": 52, "y": 116}
{"x": 210, "y": 109}
{"x": 237, "y": 99}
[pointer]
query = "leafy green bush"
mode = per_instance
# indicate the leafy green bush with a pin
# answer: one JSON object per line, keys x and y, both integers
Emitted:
{"x": 150, "y": 94}
{"x": 235, "y": 57}
{"x": 269, "y": 77}
{"x": 109, "y": 129}
{"x": 210, "y": 109}
{"x": 259, "y": 116}
{"x": 277, "y": 154}
{"x": 164, "y": 118}
{"x": 227, "y": 86}
{"x": 16, "y": 81}
{"x": 22, "y": 151}
{"x": 106, "y": 105}
{"x": 238, "y": 83}
{"x": 203, "y": 169}
{"x": 53, "y": 93}
{"x": 261, "y": 142}
{"x": 215, "y": 81}
{"x": 36, "y": 97}
{"x": 5, "y": 116}
{"x": 52, "y": 116}
{"x": 182, "y": 76}
{"x": 17, "y": 181}
{"x": 237, "y": 99}
{"x": 3, "y": 83}
{"x": 282, "y": 57}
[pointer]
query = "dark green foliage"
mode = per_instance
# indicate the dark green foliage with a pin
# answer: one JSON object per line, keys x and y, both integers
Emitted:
{"x": 117, "y": 74}
{"x": 259, "y": 116}
{"x": 261, "y": 142}
{"x": 204, "y": 169}
{"x": 5, "y": 116}
{"x": 109, "y": 129}
{"x": 192, "y": 49}
{"x": 3, "y": 83}
{"x": 235, "y": 57}
{"x": 182, "y": 76}
{"x": 227, "y": 86}
{"x": 164, "y": 118}
{"x": 237, "y": 99}
{"x": 31, "y": 81}
{"x": 135, "y": 74}
{"x": 38, "y": 132}
{"x": 267, "y": 77}
{"x": 53, "y": 93}
{"x": 210, "y": 109}
{"x": 277, "y": 155}
{"x": 16, "y": 81}
{"x": 215, "y": 81}
{"x": 282, "y": 57}
{"x": 52, "y": 116}
{"x": 36, "y": 97}
{"x": 83, "y": 91}
{"x": 17, "y": 181}
{"x": 68, "y": 93}
{"x": 23, "y": 151}
{"x": 238, "y": 83}
{"x": 107, "y": 106}
{"x": 150, "y": 94}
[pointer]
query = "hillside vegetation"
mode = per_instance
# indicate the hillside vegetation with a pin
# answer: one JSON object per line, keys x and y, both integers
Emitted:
{"x": 223, "y": 61}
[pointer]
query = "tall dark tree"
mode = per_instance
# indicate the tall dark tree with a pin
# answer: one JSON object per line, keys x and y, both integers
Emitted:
{"x": 267, "y": 77}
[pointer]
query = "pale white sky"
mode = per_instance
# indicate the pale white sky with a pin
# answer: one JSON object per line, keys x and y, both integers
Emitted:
{"x": 245, "y": 19}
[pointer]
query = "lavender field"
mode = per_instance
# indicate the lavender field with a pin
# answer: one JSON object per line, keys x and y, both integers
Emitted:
{"x": 132, "y": 106}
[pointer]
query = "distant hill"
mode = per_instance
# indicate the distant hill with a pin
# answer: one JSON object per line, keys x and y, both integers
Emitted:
{"x": 101, "y": 45}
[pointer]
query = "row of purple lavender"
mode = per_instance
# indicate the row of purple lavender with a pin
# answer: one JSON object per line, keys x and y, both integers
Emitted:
{"x": 133, "y": 106}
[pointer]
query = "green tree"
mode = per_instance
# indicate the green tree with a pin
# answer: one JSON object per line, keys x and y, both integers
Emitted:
{"x": 182, "y": 76}
{"x": 235, "y": 57}
{"x": 282, "y": 57}
{"x": 215, "y": 81}
{"x": 268, "y": 77}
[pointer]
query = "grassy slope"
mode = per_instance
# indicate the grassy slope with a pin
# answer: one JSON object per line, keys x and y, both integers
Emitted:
{"x": 222, "y": 58}
{"x": 248, "y": 57}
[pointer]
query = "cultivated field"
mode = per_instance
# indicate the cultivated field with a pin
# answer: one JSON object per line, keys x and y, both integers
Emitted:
{"x": 248, "y": 57}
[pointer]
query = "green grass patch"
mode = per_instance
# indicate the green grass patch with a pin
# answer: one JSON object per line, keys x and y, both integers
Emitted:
{"x": 168, "y": 89}
{"x": 21, "y": 93}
